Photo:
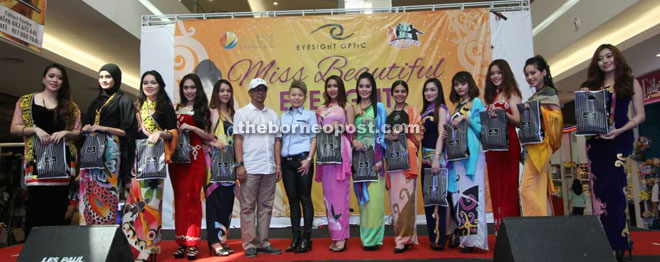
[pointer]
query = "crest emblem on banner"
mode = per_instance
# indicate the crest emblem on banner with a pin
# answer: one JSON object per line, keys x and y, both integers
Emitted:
{"x": 404, "y": 35}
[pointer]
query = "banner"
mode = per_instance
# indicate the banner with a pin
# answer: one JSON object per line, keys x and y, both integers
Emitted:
{"x": 22, "y": 21}
{"x": 650, "y": 84}
{"x": 409, "y": 46}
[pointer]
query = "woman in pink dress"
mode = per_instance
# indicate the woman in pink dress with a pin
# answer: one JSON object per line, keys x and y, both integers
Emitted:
{"x": 336, "y": 178}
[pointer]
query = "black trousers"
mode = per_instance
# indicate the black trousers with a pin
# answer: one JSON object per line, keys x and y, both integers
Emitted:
{"x": 219, "y": 207}
{"x": 299, "y": 191}
{"x": 577, "y": 211}
{"x": 46, "y": 206}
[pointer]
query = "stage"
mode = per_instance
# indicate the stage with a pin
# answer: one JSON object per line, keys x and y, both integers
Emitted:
{"x": 646, "y": 248}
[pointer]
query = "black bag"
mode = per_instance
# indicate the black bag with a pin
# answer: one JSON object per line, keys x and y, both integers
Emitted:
{"x": 150, "y": 160}
{"x": 182, "y": 152}
{"x": 494, "y": 132}
{"x": 222, "y": 164}
{"x": 434, "y": 188}
{"x": 396, "y": 154}
{"x": 50, "y": 159}
{"x": 456, "y": 143}
{"x": 92, "y": 151}
{"x": 530, "y": 131}
{"x": 363, "y": 166}
{"x": 591, "y": 113}
{"x": 329, "y": 148}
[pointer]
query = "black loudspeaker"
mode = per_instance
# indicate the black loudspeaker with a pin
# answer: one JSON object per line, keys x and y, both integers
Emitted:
{"x": 538, "y": 239}
{"x": 76, "y": 244}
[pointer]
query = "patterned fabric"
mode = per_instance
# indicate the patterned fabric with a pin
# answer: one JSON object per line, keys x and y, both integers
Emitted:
{"x": 371, "y": 195}
{"x": 608, "y": 182}
{"x": 536, "y": 184}
{"x": 24, "y": 109}
{"x": 149, "y": 125}
{"x": 98, "y": 188}
{"x": 142, "y": 221}
{"x": 466, "y": 181}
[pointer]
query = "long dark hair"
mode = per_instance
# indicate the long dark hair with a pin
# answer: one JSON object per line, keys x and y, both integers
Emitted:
{"x": 577, "y": 187}
{"x": 341, "y": 92}
{"x": 541, "y": 65}
{"x": 202, "y": 114}
{"x": 509, "y": 84}
{"x": 623, "y": 78}
{"x": 440, "y": 100}
{"x": 463, "y": 77}
{"x": 215, "y": 97}
{"x": 162, "y": 99}
{"x": 65, "y": 107}
{"x": 374, "y": 91}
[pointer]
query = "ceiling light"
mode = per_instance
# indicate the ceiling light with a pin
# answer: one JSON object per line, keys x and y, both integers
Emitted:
{"x": 153, "y": 9}
{"x": 552, "y": 17}
{"x": 90, "y": 61}
{"x": 657, "y": 55}
{"x": 275, "y": 3}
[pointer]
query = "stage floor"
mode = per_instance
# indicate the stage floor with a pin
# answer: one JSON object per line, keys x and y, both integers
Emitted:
{"x": 646, "y": 248}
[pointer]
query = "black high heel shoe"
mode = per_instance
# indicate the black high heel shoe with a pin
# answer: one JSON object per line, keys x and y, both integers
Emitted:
{"x": 192, "y": 252}
{"x": 305, "y": 245}
{"x": 454, "y": 241}
{"x": 295, "y": 242}
{"x": 180, "y": 252}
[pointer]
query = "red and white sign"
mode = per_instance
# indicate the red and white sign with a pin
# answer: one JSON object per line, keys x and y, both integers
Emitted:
{"x": 650, "y": 86}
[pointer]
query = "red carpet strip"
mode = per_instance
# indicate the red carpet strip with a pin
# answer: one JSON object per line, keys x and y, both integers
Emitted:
{"x": 645, "y": 243}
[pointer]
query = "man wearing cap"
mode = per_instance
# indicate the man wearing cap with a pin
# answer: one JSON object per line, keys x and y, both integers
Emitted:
{"x": 298, "y": 147}
{"x": 257, "y": 149}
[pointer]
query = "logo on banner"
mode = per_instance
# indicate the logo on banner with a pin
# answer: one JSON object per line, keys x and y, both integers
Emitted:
{"x": 404, "y": 35}
{"x": 229, "y": 40}
{"x": 336, "y": 35}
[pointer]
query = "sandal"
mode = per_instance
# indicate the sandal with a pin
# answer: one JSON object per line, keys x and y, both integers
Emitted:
{"x": 333, "y": 245}
{"x": 219, "y": 251}
{"x": 227, "y": 248}
{"x": 192, "y": 252}
{"x": 180, "y": 252}
{"x": 340, "y": 249}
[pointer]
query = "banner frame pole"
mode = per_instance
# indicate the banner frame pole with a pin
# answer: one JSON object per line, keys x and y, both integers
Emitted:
{"x": 496, "y": 6}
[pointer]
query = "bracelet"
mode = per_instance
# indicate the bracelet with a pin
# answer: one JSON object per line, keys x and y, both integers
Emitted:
{"x": 23, "y": 131}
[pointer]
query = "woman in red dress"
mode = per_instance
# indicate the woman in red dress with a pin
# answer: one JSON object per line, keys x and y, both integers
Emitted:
{"x": 194, "y": 117}
{"x": 502, "y": 93}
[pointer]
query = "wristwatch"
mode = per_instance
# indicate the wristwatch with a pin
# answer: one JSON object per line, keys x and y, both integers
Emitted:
{"x": 238, "y": 164}
{"x": 308, "y": 159}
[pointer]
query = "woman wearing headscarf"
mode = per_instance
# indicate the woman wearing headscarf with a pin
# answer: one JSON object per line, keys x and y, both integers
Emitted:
{"x": 112, "y": 116}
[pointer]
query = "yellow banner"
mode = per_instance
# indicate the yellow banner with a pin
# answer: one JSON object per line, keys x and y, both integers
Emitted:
{"x": 411, "y": 46}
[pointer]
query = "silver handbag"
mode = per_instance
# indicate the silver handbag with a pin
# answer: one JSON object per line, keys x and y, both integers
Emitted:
{"x": 456, "y": 145}
{"x": 530, "y": 131}
{"x": 494, "y": 131}
{"x": 182, "y": 152}
{"x": 363, "y": 165}
{"x": 591, "y": 113}
{"x": 150, "y": 160}
{"x": 92, "y": 151}
{"x": 396, "y": 154}
{"x": 329, "y": 148}
{"x": 434, "y": 187}
{"x": 222, "y": 165}
{"x": 50, "y": 159}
